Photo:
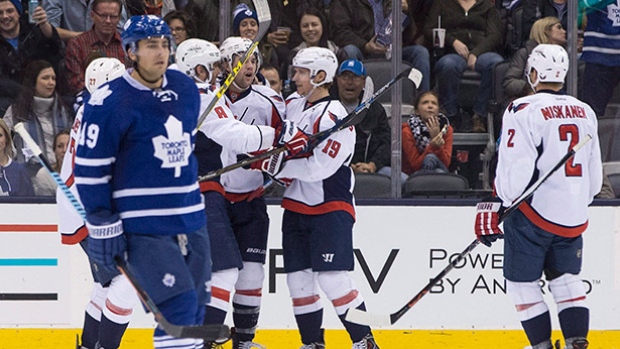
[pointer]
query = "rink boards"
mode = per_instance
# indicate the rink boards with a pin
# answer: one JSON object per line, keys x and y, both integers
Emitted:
{"x": 45, "y": 285}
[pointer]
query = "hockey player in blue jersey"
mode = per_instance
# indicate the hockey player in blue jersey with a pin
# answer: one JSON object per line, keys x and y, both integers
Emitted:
{"x": 136, "y": 176}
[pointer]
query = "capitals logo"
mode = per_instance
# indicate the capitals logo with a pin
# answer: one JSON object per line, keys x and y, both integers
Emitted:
{"x": 517, "y": 107}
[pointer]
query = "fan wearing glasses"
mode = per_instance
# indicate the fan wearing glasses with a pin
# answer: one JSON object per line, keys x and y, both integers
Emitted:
{"x": 103, "y": 40}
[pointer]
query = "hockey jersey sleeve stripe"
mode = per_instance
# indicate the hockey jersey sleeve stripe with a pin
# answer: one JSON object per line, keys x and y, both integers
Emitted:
{"x": 92, "y": 181}
{"x": 72, "y": 239}
{"x": 94, "y": 162}
{"x": 154, "y": 191}
{"x": 539, "y": 221}
{"x": 162, "y": 212}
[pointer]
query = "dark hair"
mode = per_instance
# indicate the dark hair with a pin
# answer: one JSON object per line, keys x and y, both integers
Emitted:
{"x": 311, "y": 11}
{"x": 65, "y": 131}
{"x": 419, "y": 98}
{"x": 270, "y": 67}
{"x": 97, "y": 2}
{"x": 188, "y": 22}
{"x": 23, "y": 104}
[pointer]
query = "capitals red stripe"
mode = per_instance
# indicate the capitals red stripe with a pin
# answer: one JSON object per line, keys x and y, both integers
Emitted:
{"x": 211, "y": 186}
{"x": 534, "y": 217}
{"x": 522, "y": 307}
{"x": 29, "y": 228}
{"x": 573, "y": 300}
{"x": 76, "y": 237}
{"x": 116, "y": 309}
{"x": 220, "y": 294}
{"x": 327, "y": 207}
{"x": 257, "y": 292}
{"x": 346, "y": 299}
{"x": 300, "y": 302}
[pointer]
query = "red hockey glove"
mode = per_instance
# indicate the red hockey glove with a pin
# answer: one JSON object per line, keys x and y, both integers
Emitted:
{"x": 294, "y": 139}
{"x": 487, "y": 220}
{"x": 270, "y": 165}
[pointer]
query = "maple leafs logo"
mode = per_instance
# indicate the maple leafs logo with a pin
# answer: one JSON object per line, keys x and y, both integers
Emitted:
{"x": 174, "y": 150}
{"x": 613, "y": 13}
{"x": 100, "y": 95}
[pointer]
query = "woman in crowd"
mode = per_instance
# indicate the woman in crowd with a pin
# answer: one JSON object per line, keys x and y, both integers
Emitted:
{"x": 427, "y": 138}
{"x": 181, "y": 25}
{"x": 42, "y": 182}
{"x": 14, "y": 179}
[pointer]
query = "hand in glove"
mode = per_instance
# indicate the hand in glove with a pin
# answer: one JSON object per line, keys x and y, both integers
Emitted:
{"x": 270, "y": 165}
{"x": 294, "y": 139}
{"x": 105, "y": 240}
{"x": 487, "y": 220}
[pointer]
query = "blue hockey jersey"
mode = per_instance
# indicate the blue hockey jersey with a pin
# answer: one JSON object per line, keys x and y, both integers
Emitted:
{"x": 134, "y": 156}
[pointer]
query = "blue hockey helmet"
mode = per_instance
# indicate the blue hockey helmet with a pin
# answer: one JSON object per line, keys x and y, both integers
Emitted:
{"x": 143, "y": 27}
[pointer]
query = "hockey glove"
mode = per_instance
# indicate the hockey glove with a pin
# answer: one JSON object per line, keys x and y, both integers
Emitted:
{"x": 270, "y": 165}
{"x": 487, "y": 220}
{"x": 105, "y": 241}
{"x": 294, "y": 139}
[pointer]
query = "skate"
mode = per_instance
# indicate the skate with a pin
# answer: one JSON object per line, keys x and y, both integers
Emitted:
{"x": 313, "y": 346}
{"x": 580, "y": 343}
{"x": 246, "y": 345}
{"x": 367, "y": 342}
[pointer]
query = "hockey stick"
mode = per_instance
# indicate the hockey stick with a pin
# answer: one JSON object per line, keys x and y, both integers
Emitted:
{"x": 315, "y": 139}
{"x": 32, "y": 145}
{"x": 209, "y": 333}
{"x": 361, "y": 317}
{"x": 206, "y": 332}
{"x": 264, "y": 20}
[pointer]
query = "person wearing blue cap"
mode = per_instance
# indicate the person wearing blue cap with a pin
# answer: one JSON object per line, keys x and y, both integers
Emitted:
{"x": 245, "y": 22}
{"x": 20, "y": 43}
{"x": 373, "y": 135}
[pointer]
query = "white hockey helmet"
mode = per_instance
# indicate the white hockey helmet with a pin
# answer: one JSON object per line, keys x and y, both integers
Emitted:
{"x": 102, "y": 70}
{"x": 194, "y": 52}
{"x": 316, "y": 59}
{"x": 236, "y": 45}
{"x": 550, "y": 62}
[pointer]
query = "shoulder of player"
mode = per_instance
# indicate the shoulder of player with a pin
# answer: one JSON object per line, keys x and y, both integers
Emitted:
{"x": 268, "y": 93}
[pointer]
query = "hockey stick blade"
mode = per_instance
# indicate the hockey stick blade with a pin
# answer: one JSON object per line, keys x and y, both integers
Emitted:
{"x": 363, "y": 318}
{"x": 318, "y": 137}
{"x": 209, "y": 333}
{"x": 264, "y": 20}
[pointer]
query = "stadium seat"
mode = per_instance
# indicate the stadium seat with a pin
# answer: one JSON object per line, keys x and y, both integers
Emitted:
{"x": 429, "y": 184}
{"x": 609, "y": 138}
{"x": 371, "y": 185}
{"x": 613, "y": 173}
{"x": 380, "y": 72}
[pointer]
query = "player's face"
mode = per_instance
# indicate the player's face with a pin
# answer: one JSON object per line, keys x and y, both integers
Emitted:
{"x": 246, "y": 75}
{"x": 62, "y": 141}
{"x": 152, "y": 57}
{"x": 46, "y": 83}
{"x": 179, "y": 33}
{"x": 428, "y": 107}
{"x": 248, "y": 28}
{"x": 9, "y": 18}
{"x": 274, "y": 79}
{"x": 311, "y": 29}
{"x": 350, "y": 86}
{"x": 556, "y": 34}
{"x": 106, "y": 17}
{"x": 301, "y": 77}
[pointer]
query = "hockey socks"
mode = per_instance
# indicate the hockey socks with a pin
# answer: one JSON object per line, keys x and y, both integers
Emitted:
{"x": 90, "y": 332}
{"x": 574, "y": 322}
{"x": 356, "y": 332}
{"x": 538, "y": 330}
{"x": 246, "y": 320}
{"x": 214, "y": 316}
{"x": 110, "y": 333}
{"x": 309, "y": 326}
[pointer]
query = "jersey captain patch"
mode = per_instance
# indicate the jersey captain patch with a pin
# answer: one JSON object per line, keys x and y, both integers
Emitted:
{"x": 175, "y": 149}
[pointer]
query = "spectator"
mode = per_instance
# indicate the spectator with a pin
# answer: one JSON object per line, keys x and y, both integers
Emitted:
{"x": 426, "y": 148}
{"x": 101, "y": 40}
{"x": 206, "y": 16}
{"x": 182, "y": 26}
{"x": 20, "y": 43}
{"x": 42, "y": 182}
{"x": 372, "y": 133}
{"x": 272, "y": 75}
{"x": 41, "y": 110}
{"x": 14, "y": 179}
{"x": 546, "y": 30}
{"x": 71, "y": 17}
{"x": 311, "y": 25}
{"x": 354, "y": 27}
{"x": 600, "y": 52}
{"x": 473, "y": 38}
{"x": 245, "y": 22}
{"x": 159, "y": 8}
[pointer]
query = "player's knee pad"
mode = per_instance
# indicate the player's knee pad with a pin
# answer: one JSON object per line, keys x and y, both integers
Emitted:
{"x": 249, "y": 286}
{"x": 527, "y": 298}
{"x": 97, "y": 301}
{"x": 340, "y": 289}
{"x": 222, "y": 284}
{"x": 568, "y": 291}
{"x": 120, "y": 300}
{"x": 304, "y": 291}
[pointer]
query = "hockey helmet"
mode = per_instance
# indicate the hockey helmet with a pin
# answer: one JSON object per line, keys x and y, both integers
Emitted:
{"x": 236, "y": 45}
{"x": 194, "y": 52}
{"x": 550, "y": 62}
{"x": 316, "y": 59}
{"x": 143, "y": 27}
{"x": 102, "y": 70}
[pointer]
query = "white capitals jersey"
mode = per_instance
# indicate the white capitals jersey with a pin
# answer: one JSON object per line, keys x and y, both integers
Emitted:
{"x": 322, "y": 182}
{"x": 537, "y": 131}
{"x": 70, "y": 223}
{"x": 258, "y": 105}
{"x": 222, "y": 137}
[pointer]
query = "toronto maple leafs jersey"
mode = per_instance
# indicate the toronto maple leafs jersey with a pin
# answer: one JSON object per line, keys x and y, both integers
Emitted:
{"x": 258, "y": 105}
{"x": 322, "y": 182}
{"x": 221, "y": 137}
{"x": 140, "y": 165}
{"x": 70, "y": 223}
{"x": 537, "y": 131}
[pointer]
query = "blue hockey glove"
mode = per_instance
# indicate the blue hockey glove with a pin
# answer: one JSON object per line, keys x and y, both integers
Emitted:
{"x": 105, "y": 241}
{"x": 294, "y": 139}
{"x": 486, "y": 226}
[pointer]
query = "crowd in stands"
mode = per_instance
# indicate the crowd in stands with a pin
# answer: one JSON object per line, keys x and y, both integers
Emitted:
{"x": 43, "y": 57}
